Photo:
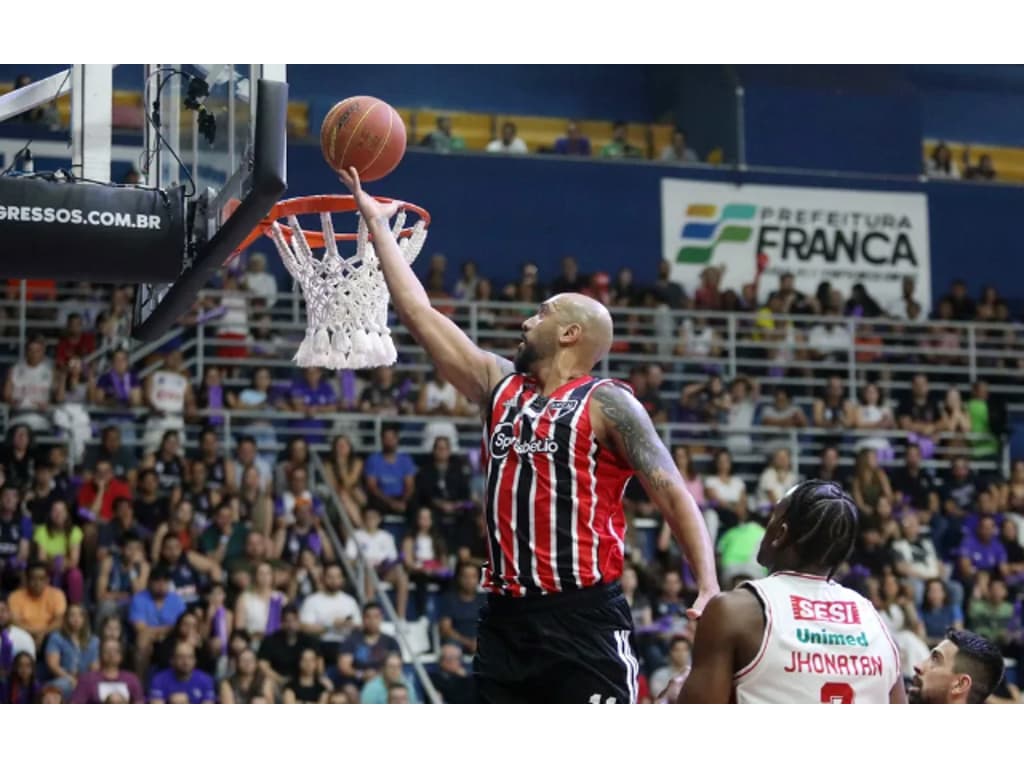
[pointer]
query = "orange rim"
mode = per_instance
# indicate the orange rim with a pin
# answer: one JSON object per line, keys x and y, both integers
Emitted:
{"x": 301, "y": 206}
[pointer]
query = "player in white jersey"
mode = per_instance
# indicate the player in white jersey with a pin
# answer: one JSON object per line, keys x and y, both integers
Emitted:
{"x": 796, "y": 636}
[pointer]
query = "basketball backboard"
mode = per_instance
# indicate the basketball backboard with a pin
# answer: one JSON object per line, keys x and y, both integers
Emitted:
{"x": 209, "y": 143}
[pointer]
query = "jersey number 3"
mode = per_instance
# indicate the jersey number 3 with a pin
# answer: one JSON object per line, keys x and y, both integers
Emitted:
{"x": 836, "y": 693}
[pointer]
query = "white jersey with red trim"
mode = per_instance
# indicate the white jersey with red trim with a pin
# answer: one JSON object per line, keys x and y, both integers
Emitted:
{"x": 822, "y": 643}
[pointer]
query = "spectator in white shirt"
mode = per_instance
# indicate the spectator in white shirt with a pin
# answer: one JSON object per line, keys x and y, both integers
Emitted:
{"x": 726, "y": 492}
{"x": 29, "y": 388}
{"x": 330, "y": 613}
{"x": 678, "y": 151}
{"x": 509, "y": 142}
{"x": 379, "y": 550}
{"x": 261, "y": 284}
{"x": 776, "y": 479}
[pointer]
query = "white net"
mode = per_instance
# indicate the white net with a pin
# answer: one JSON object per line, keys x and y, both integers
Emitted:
{"x": 346, "y": 297}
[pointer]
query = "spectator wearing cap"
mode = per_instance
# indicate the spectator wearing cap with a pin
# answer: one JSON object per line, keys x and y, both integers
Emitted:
{"x": 182, "y": 683}
{"x": 153, "y": 613}
{"x": 109, "y": 684}
{"x": 377, "y": 690}
{"x": 38, "y": 608}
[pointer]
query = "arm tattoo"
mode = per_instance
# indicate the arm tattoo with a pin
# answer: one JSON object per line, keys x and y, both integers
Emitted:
{"x": 643, "y": 448}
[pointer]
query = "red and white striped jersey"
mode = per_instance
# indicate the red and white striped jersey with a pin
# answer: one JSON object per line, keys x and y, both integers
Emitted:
{"x": 822, "y": 643}
{"x": 553, "y": 494}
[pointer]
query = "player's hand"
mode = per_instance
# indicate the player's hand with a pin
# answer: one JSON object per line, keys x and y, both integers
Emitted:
{"x": 368, "y": 206}
{"x": 696, "y": 610}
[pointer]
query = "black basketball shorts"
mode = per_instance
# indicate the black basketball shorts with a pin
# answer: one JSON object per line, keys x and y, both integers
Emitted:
{"x": 566, "y": 648}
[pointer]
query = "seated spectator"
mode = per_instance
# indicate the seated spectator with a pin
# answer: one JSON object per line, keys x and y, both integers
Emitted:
{"x": 939, "y": 611}
{"x": 941, "y": 163}
{"x": 472, "y": 545}
{"x": 188, "y": 569}
{"x": 442, "y": 484}
{"x": 247, "y": 684}
{"x": 259, "y": 283}
{"x": 726, "y": 492}
{"x": 916, "y": 560}
{"x": 678, "y": 152}
{"x": 330, "y": 614}
{"x": 739, "y": 417}
{"x": 122, "y": 459}
{"x": 72, "y": 651}
{"x": 425, "y": 557}
{"x": 870, "y": 555}
{"x": 311, "y": 395}
{"x": 296, "y": 492}
{"x": 246, "y": 457}
{"x": 96, "y": 498}
{"x": 983, "y": 171}
{"x": 182, "y": 683}
{"x": 679, "y": 651}
{"x": 42, "y": 493}
{"x": 109, "y": 684}
{"x": 440, "y": 398}
{"x": 960, "y": 492}
{"x": 224, "y": 539}
{"x": 150, "y": 508}
{"x": 308, "y": 686}
{"x": 981, "y": 551}
{"x": 302, "y": 534}
{"x": 899, "y": 615}
{"x": 13, "y": 639}
{"x": 777, "y": 478}
{"x": 58, "y": 544}
{"x": 18, "y": 457}
{"x": 280, "y": 651}
{"x": 987, "y": 417}
{"x": 870, "y": 483}
{"x": 441, "y": 139}
{"x": 255, "y": 505}
{"x": 258, "y": 609}
{"x": 169, "y": 396}
{"x": 990, "y": 612}
{"x": 220, "y": 471}
{"x": 364, "y": 651}
{"x": 377, "y": 547}
{"x": 619, "y": 146}
{"x": 15, "y": 538}
{"x": 737, "y": 551}
{"x": 782, "y": 413}
{"x": 390, "y": 476}
{"x": 197, "y": 492}
{"x": 919, "y": 414}
{"x": 37, "y": 607}
{"x": 914, "y": 485}
{"x": 29, "y": 388}
{"x": 460, "y": 610}
{"x": 509, "y": 143}
{"x": 832, "y": 410}
{"x": 872, "y": 414}
{"x": 258, "y": 396}
{"x": 21, "y": 687}
{"x": 688, "y": 471}
{"x": 296, "y": 456}
{"x": 573, "y": 143}
{"x": 121, "y": 575}
{"x": 74, "y": 342}
{"x": 118, "y": 387}
{"x": 451, "y": 679}
{"x": 378, "y": 689}
{"x": 171, "y": 470}
{"x": 153, "y": 614}
{"x": 828, "y": 466}
{"x": 343, "y": 470}
{"x": 386, "y": 397}
{"x": 257, "y": 550}
{"x": 1009, "y": 537}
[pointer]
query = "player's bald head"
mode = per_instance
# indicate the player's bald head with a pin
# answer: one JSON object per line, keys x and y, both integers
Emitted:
{"x": 593, "y": 318}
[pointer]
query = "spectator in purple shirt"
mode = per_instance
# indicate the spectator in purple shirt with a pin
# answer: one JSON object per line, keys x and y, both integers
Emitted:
{"x": 182, "y": 683}
{"x": 109, "y": 684}
{"x": 573, "y": 143}
{"x": 390, "y": 475}
{"x": 309, "y": 396}
{"x": 119, "y": 387}
{"x": 301, "y": 534}
{"x": 982, "y": 551}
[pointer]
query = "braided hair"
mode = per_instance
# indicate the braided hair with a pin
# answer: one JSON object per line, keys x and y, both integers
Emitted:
{"x": 822, "y": 522}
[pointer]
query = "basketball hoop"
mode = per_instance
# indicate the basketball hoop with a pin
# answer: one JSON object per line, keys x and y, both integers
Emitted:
{"x": 346, "y": 297}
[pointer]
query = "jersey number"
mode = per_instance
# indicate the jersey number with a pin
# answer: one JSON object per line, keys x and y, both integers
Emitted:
{"x": 836, "y": 693}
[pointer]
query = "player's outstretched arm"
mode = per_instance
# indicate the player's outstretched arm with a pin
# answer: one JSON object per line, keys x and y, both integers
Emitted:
{"x": 623, "y": 424}
{"x": 472, "y": 371}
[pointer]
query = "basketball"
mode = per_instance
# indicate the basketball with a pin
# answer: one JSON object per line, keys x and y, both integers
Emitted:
{"x": 364, "y": 132}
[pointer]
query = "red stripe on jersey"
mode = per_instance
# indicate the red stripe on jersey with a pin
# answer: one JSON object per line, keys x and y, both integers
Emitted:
{"x": 585, "y": 493}
{"x": 610, "y": 521}
{"x": 504, "y": 507}
{"x": 543, "y": 509}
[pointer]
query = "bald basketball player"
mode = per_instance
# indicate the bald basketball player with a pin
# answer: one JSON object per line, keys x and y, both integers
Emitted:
{"x": 560, "y": 446}
{"x": 796, "y": 636}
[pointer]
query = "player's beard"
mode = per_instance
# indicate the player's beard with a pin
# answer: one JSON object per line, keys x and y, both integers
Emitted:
{"x": 526, "y": 357}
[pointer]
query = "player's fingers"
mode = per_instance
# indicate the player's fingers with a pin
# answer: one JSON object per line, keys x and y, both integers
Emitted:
{"x": 693, "y": 614}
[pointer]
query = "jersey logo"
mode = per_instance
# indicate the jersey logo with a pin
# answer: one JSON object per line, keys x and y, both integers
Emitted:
{"x": 828, "y": 611}
{"x": 503, "y": 440}
{"x": 561, "y": 407}
{"x": 824, "y": 637}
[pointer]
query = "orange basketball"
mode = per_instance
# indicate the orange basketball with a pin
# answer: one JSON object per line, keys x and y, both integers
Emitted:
{"x": 364, "y": 132}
